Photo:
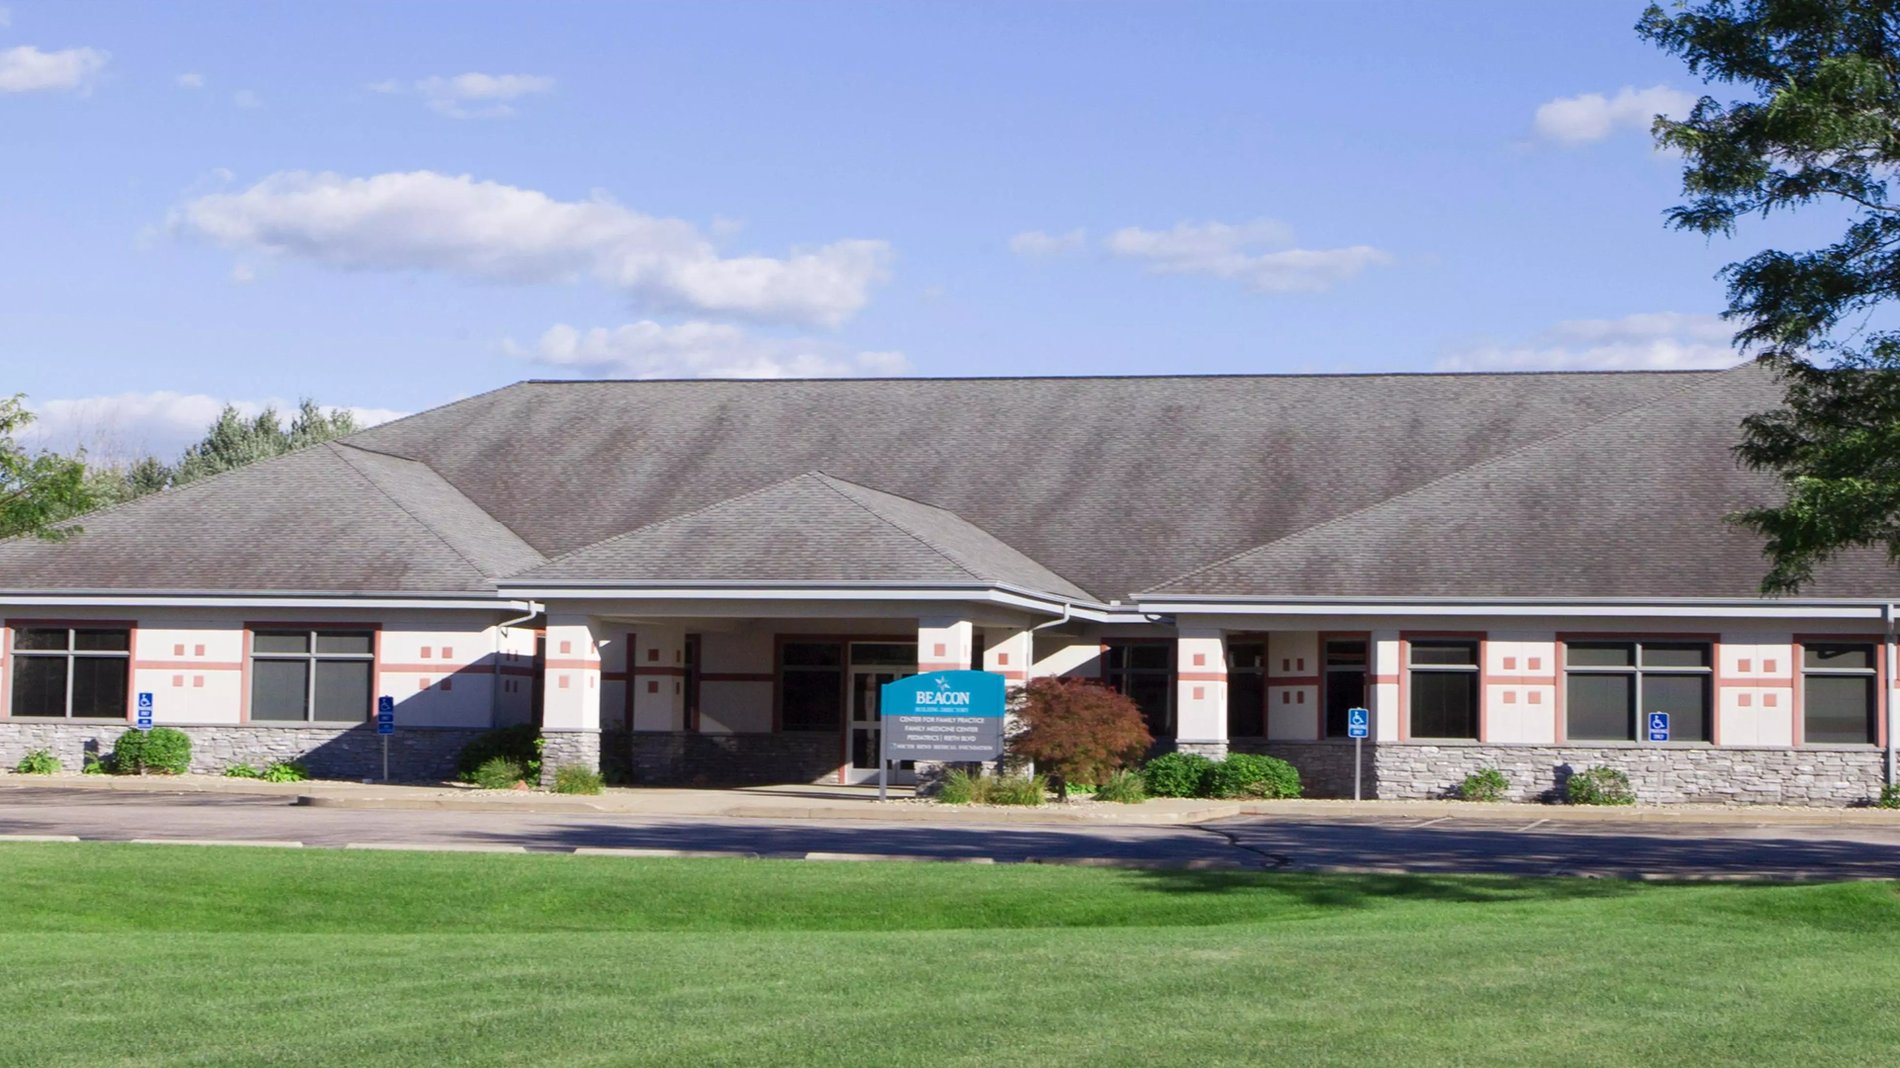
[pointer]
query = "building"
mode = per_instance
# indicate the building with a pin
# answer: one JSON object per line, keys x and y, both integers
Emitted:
{"x": 707, "y": 581}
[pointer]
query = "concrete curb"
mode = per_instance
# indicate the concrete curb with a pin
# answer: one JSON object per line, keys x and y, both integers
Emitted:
{"x": 263, "y": 842}
{"x": 448, "y": 804}
{"x": 1522, "y": 813}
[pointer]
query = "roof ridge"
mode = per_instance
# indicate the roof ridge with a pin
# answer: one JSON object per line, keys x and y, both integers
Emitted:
{"x": 417, "y": 415}
{"x": 337, "y": 448}
{"x": 453, "y": 488}
{"x": 644, "y": 527}
{"x": 832, "y": 483}
{"x": 1446, "y": 477}
{"x": 1205, "y": 376}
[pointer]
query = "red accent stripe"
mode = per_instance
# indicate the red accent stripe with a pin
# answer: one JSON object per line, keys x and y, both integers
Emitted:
{"x": 175, "y": 665}
{"x": 1291, "y": 680}
{"x": 737, "y": 676}
{"x": 572, "y": 665}
{"x": 1203, "y": 676}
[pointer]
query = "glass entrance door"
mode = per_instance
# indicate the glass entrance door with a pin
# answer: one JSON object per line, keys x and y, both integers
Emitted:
{"x": 872, "y": 665}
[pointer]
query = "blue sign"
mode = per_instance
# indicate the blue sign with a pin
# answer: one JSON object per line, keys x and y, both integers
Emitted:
{"x": 1659, "y": 726}
{"x": 1358, "y": 723}
{"x": 144, "y": 720}
{"x": 944, "y": 715}
{"x": 385, "y": 715}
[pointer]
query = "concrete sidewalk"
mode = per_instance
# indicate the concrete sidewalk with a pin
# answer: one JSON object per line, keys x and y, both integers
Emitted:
{"x": 807, "y": 802}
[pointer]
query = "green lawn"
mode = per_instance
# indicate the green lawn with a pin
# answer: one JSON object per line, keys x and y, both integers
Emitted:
{"x": 121, "y": 954}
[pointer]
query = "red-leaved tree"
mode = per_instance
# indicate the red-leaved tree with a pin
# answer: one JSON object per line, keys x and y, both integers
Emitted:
{"x": 1077, "y": 730}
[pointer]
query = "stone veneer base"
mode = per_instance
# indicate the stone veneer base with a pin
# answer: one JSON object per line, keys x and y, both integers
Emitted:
{"x": 416, "y": 754}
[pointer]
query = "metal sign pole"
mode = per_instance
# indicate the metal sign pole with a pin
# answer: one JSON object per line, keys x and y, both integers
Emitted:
{"x": 883, "y": 762}
{"x": 385, "y": 758}
{"x": 1358, "y": 761}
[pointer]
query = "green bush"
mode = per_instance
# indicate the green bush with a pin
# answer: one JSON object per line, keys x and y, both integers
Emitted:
{"x": 1485, "y": 784}
{"x": 285, "y": 771}
{"x": 577, "y": 779}
{"x": 520, "y": 743}
{"x": 1015, "y": 790}
{"x": 498, "y": 773}
{"x": 162, "y": 749}
{"x": 1889, "y": 797}
{"x": 242, "y": 771}
{"x": 1600, "y": 786}
{"x": 40, "y": 762}
{"x": 96, "y": 765}
{"x": 1252, "y": 775}
{"x": 1083, "y": 789}
{"x": 962, "y": 787}
{"x": 1124, "y": 787}
{"x": 1177, "y": 775}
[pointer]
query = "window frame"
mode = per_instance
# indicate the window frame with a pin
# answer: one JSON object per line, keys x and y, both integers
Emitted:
{"x": 1408, "y": 642}
{"x": 1879, "y": 673}
{"x": 13, "y": 654}
{"x": 1266, "y": 658}
{"x": 310, "y": 657}
{"x": 1326, "y": 673}
{"x": 1112, "y": 676}
{"x": 1710, "y": 673}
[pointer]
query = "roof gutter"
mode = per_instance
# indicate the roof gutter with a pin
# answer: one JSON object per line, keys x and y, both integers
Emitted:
{"x": 1666, "y": 607}
{"x": 1020, "y": 597}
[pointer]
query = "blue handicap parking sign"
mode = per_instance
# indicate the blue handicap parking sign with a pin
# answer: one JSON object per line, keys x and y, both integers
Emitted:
{"x": 1659, "y": 726}
{"x": 1358, "y": 723}
{"x": 385, "y": 715}
{"x": 144, "y": 720}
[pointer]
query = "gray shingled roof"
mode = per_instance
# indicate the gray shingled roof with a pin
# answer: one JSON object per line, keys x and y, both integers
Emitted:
{"x": 1631, "y": 506}
{"x": 1535, "y": 485}
{"x": 326, "y": 518}
{"x": 791, "y": 532}
{"x": 1115, "y": 483}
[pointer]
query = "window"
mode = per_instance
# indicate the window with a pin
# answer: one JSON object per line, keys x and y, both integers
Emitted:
{"x": 1444, "y": 686}
{"x": 72, "y": 672}
{"x": 1144, "y": 672}
{"x": 1345, "y": 683}
{"x": 811, "y": 686}
{"x": 1246, "y": 689}
{"x": 1608, "y": 684}
{"x": 692, "y": 682}
{"x": 1839, "y": 684}
{"x": 303, "y": 676}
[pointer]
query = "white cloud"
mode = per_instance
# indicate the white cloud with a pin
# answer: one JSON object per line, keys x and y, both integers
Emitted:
{"x": 125, "y": 426}
{"x": 26, "y": 69}
{"x": 1252, "y": 253}
{"x": 1038, "y": 243}
{"x": 1575, "y": 120}
{"x": 480, "y": 96}
{"x": 647, "y": 349}
{"x": 190, "y": 80}
{"x": 1652, "y": 341}
{"x": 247, "y": 99}
{"x": 422, "y": 220}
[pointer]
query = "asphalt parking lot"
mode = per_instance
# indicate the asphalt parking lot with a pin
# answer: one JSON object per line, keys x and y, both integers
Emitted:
{"x": 1650, "y": 848}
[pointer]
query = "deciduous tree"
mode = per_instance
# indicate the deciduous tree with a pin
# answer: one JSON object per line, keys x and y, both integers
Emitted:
{"x": 1077, "y": 730}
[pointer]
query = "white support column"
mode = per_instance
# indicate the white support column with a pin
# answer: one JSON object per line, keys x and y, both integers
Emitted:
{"x": 1008, "y": 652}
{"x": 1200, "y": 704}
{"x": 944, "y": 644}
{"x": 570, "y": 722}
{"x": 1382, "y": 690}
{"x": 656, "y": 669}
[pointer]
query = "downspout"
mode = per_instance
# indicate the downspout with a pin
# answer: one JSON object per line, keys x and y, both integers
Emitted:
{"x": 535, "y": 608}
{"x": 1893, "y": 715}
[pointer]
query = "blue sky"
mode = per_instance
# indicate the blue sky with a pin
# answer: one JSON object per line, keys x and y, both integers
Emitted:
{"x": 388, "y": 206}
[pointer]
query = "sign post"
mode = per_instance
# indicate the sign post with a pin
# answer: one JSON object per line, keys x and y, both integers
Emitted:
{"x": 144, "y": 720}
{"x": 385, "y": 726}
{"x": 1358, "y": 728}
{"x": 943, "y": 715}
{"x": 1659, "y": 726}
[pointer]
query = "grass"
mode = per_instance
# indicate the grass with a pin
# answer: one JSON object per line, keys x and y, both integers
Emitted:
{"x": 121, "y": 954}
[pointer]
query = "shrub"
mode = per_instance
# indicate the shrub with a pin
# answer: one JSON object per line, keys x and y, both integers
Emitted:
{"x": 1177, "y": 775}
{"x": 1889, "y": 797}
{"x": 1251, "y": 775}
{"x": 1600, "y": 786}
{"x": 1015, "y": 790}
{"x": 40, "y": 762}
{"x": 1077, "y": 730}
{"x": 959, "y": 788}
{"x": 285, "y": 771}
{"x": 242, "y": 771}
{"x": 498, "y": 773}
{"x": 96, "y": 765}
{"x": 1085, "y": 789}
{"x": 162, "y": 749}
{"x": 1485, "y": 784}
{"x": 520, "y": 743}
{"x": 1124, "y": 787}
{"x": 577, "y": 779}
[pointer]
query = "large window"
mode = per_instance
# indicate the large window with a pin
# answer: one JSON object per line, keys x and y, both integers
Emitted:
{"x": 1345, "y": 682}
{"x": 1444, "y": 684}
{"x": 312, "y": 676}
{"x": 71, "y": 672}
{"x": 1246, "y": 689}
{"x": 1839, "y": 682}
{"x": 1610, "y": 686}
{"x": 811, "y": 686}
{"x": 1144, "y": 672}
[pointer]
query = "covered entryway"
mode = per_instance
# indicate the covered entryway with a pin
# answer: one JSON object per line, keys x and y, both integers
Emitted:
{"x": 873, "y": 664}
